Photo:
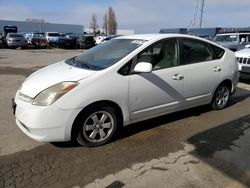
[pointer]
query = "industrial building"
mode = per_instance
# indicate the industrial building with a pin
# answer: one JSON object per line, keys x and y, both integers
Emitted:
{"x": 42, "y": 27}
{"x": 24, "y": 26}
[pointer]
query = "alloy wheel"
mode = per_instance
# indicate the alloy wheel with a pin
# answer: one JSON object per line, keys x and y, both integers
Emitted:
{"x": 98, "y": 126}
{"x": 222, "y": 96}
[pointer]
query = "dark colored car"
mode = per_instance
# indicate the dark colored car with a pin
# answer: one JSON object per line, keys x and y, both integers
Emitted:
{"x": 85, "y": 42}
{"x": 65, "y": 41}
{"x": 1, "y": 40}
{"x": 7, "y": 29}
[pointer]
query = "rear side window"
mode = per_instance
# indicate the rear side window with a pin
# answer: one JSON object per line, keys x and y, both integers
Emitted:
{"x": 194, "y": 51}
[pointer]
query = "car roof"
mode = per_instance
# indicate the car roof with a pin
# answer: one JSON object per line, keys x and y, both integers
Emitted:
{"x": 156, "y": 36}
{"x": 245, "y": 33}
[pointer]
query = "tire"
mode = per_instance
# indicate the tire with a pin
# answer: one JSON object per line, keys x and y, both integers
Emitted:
{"x": 221, "y": 97}
{"x": 96, "y": 126}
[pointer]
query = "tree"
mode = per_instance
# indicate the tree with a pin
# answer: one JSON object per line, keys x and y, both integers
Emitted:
{"x": 105, "y": 24}
{"x": 93, "y": 23}
{"x": 111, "y": 19}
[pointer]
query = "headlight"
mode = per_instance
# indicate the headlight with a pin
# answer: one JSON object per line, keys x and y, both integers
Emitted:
{"x": 53, "y": 93}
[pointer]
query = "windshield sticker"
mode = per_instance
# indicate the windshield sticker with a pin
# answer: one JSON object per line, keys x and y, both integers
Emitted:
{"x": 139, "y": 42}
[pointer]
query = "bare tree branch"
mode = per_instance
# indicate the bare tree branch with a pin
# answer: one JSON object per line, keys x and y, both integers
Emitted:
{"x": 93, "y": 24}
{"x": 111, "y": 22}
{"x": 105, "y": 24}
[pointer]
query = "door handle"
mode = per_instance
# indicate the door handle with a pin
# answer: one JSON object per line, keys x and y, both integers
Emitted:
{"x": 178, "y": 77}
{"x": 217, "y": 69}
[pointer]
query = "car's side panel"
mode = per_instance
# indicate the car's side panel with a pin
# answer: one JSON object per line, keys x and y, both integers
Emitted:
{"x": 200, "y": 80}
{"x": 102, "y": 86}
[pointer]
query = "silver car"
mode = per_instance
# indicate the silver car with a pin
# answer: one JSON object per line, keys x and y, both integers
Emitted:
{"x": 16, "y": 40}
{"x": 122, "y": 81}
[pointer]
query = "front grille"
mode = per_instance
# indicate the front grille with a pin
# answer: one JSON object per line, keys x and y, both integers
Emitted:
{"x": 243, "y": 60}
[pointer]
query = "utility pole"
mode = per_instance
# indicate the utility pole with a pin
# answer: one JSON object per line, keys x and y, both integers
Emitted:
{"x": 202, "y": 11}
{"x": 198, "y": 14}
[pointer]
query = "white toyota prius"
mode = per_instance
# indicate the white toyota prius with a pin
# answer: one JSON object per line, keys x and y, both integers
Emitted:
{"x": 123, "y": 81}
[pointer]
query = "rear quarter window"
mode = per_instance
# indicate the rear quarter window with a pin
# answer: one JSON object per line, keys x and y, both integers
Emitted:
{"x": 218, "y": 52}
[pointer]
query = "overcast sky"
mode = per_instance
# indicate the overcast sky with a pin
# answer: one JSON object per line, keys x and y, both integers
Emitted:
{"x": 143, "y": 16}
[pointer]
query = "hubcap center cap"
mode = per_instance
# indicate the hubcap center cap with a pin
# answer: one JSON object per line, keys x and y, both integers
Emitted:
{"x": 99, "y": 126}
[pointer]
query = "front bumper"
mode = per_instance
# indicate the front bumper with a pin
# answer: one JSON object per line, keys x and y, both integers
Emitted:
{"x": 244, "y": 70}
{"x": 44, "y": 124}
{"x": 244, "y": 75}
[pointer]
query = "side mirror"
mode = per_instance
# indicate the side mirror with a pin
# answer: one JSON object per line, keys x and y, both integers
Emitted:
{"x": 247, "y": 46}
{"x": 143, "y": 67}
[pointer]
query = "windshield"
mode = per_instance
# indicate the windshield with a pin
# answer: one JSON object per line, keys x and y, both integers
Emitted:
{"x": 53, "y": 34}
{"x": 39, "y": 35}
{"x": 62, "y": 35}
{"x": 105, "y": 55}
{"x": 225, "y": 38}
{"x": 15, "y": 35}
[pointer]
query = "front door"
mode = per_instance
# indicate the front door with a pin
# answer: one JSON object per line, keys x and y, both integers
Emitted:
{"x": 160, "y": 91}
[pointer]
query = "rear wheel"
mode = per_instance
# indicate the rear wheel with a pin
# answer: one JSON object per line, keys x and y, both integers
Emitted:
{"x": 96, "y": 126}
{"x": 221, "y": 97}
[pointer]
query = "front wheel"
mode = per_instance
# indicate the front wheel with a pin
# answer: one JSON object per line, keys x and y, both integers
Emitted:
{"x": 96, "y": 127}
{"x": 221, "y": 97}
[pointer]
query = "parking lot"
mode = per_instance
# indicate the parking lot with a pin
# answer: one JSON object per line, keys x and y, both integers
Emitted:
{"x": 193, "y": 148}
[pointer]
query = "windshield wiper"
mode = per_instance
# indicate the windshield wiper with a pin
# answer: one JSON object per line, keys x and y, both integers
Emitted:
{"x": 73, "y": 62}
{"x": 85, "y": 65}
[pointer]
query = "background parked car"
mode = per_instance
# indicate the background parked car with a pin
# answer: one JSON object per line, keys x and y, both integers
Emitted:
{"x": 65, "y": 41}
{"x": 243, "y": 59}
{"x": 233, "y": 40}
{"x": 8, "y": 29}
{"x": 15, "y": 40}
{"x": 37, "y": 39}
{"x": 1, "y": 40}
{"x": 53, "y": 38}
{"x": 99, "y": 39}
{"x": 74, "y": 35}
{"x": 85, "y": 42}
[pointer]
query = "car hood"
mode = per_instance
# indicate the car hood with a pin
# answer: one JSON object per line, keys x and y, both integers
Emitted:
{"x": 243, "y": 53}
{"x": 227, "y": 44}
{"x": 51, "y": 75}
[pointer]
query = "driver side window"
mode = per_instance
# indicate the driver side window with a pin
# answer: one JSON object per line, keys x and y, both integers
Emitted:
{"x": 161, "y": 55}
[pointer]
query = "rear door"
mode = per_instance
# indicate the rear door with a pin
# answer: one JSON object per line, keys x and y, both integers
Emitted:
{"x": 201, "y": 71}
